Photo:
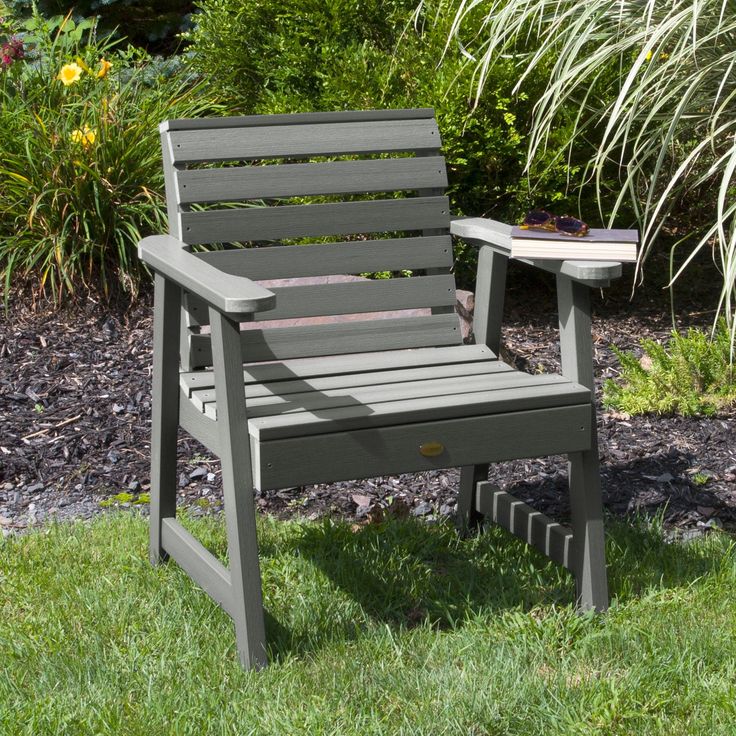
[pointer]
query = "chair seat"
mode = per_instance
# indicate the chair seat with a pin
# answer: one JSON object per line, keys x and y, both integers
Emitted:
{"x": 339, "y": 393}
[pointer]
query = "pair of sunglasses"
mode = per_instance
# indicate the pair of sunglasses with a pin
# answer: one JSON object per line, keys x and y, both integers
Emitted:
{"x": 543, "y": 220}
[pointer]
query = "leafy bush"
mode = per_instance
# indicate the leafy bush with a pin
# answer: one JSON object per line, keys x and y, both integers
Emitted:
{"x": 693, "y": 374}
{"x": 305, "y": 55}
{"x": 656, "y": 90}
{"x": 81, "y": 167}
{"x": 143, "y": 22}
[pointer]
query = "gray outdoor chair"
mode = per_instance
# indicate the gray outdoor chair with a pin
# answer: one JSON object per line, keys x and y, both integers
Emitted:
{"x": 357, "y": 396}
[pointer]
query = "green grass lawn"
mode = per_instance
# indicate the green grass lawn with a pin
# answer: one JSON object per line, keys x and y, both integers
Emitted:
{"x": 400, "y": 628}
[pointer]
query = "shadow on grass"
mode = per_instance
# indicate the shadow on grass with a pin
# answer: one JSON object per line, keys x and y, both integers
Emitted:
{"x": 408, "y": 573}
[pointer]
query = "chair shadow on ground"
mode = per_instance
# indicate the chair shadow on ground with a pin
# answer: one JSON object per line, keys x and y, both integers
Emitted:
{"x": 409, "y": 573}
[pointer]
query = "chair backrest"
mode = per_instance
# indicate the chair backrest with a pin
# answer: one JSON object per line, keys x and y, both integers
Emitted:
{"x": 313, "y": 195}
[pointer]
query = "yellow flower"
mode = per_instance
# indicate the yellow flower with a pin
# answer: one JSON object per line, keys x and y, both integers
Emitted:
{"x": 104, "y": 68}
{"x": 69, "y": 74}
{"x": 663, "y": 56}
{"x": 86, "y": 136}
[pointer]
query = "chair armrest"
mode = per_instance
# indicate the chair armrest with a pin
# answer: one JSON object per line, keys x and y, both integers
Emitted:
{"x": 223, "y": 291}
{"x": 497, "y": 235}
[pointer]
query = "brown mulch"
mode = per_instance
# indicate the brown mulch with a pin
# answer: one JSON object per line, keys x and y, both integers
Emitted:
{"x": 75, "y": 419}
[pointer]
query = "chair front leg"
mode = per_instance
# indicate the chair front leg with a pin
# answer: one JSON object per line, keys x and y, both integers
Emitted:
{"x": 586, "y": 505}
{"x": 164, "y": 410}
{"x": 237, "y": 486}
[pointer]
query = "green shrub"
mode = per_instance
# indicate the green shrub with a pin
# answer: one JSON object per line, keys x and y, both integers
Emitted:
{"x": 303, "y": 55}
{"x": 81, "y": 170}
{"x": 693, "y": 374}
{"x": 142, "y": 22}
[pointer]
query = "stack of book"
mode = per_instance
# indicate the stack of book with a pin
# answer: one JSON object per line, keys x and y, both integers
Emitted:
{"x": 597, "y": 245}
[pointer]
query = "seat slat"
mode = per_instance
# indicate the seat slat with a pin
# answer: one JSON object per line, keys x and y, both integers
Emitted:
{"x": 308, "y": 139}
{"x": 310, "y": 179}
{"x": 359, "y": 397}
{"x": 285, "y": 262}
{"x": 336, "y": 339}
{"x": 339, "y": 365}
{"x": 296, "y": 221}
{"x": 380, "y": 414}
{"x": 355, "y": 297}
{"x": 201, "y": 397}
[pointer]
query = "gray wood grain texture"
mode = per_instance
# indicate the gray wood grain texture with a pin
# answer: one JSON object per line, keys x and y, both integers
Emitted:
{"x": 358, "y": 416}
{"x": 299, "y": 118}
{"x": 238, "y": 183}
{"x": 576, "y": 345}
{"x": 490, "y": 289}
{"x": 237, "y": 490}
{"x": 484, "y": 231}
{"x": 343, "y": 381}
{"x": 191, "y": 419}
{"x": 361, "y": 397}
{"x": 164, "y": 411}
{"x": 489, "y": 297}
{"x": 395, "y": 449}
{"x": 467, "y": 516}
{"x": 550, "y": 538}
{"x": 308, "y": 139}
{"x": 232, "y": 294}
{"x": 173, "y": 212}
{"x": 344, "y": 365}
{"x": 586, "y": 505}
{"x": 337, "y": 339}
{"x": 199, "y": 563}
{"x": 355, "y": 257}
{"x": 586, "y": 510}
{"x": 356, "y": 297}
{"x": 314, "y": 220}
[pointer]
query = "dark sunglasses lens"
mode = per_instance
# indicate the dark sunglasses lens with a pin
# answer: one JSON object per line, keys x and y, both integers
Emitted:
{"x": 537, "y": 218}
{"x": 571, "y": 226}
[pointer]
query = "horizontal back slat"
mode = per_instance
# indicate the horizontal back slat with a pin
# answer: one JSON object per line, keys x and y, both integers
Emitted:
{"x": 309, "y": 139}
{"x": 337, "y": 339}
{"x": 355, "y": 297}
{"x": 360, "y": 256}
{"x": 283, "y": 149}
{"x": 295, "y": 221}
{"x": 310, "y": 179}
{"x": 296, "y": 118}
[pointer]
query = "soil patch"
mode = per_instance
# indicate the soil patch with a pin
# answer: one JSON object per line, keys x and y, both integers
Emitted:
{"x": 75, "y": 420}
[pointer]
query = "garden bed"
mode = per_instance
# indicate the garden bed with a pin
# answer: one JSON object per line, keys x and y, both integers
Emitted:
{"x": 75, "y": 420}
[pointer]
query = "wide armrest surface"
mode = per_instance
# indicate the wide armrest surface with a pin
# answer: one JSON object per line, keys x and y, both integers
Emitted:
{"x": 227, "y": 293}
{"x": 484, "y": 231}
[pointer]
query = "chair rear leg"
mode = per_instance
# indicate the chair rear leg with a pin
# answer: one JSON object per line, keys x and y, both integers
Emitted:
{"x": 164, "y": 411}
{"x": 588, "y": 540}
{"x": 466, "y": 515}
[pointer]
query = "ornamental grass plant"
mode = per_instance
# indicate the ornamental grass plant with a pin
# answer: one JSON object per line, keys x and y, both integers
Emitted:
{"x": 81, "y": 168}
{"x": 653, "y": 88}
